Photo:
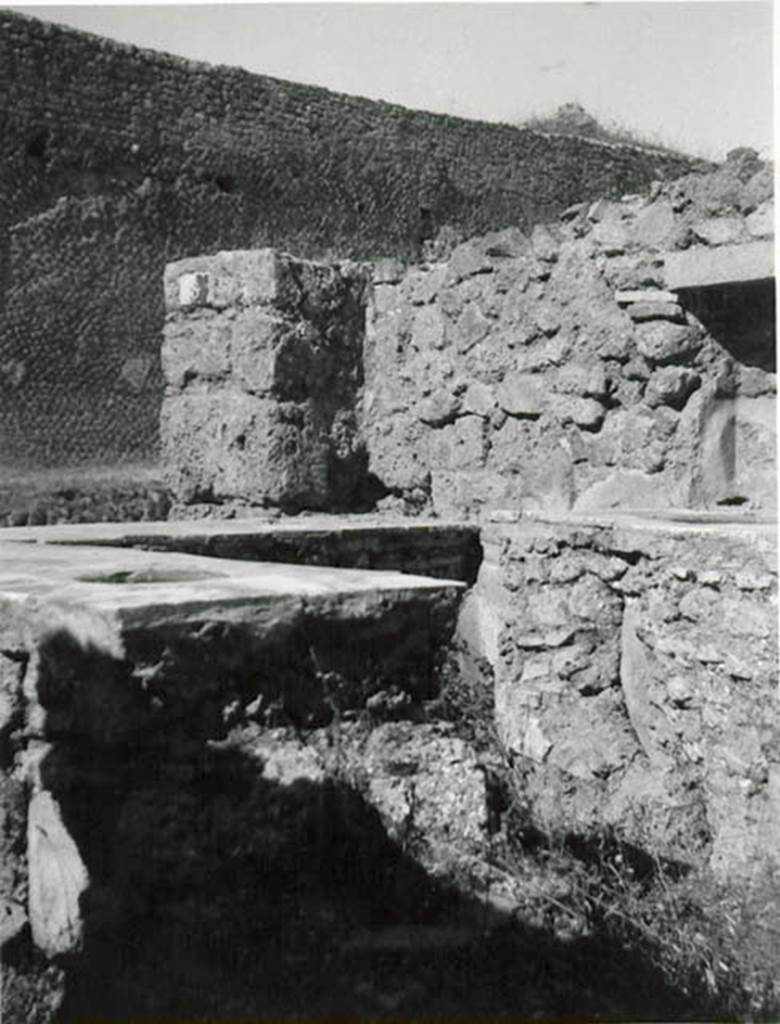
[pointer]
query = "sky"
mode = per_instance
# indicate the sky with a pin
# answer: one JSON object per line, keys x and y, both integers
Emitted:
{"x": 693, "y": 75}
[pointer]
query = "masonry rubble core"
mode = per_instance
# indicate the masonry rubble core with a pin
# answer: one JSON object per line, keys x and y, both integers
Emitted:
{"x": 545, "y": 456}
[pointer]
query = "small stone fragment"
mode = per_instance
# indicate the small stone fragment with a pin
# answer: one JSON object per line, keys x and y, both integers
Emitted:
{"x": 612, "y": 237}
{"x": 544, "y": 243}
{"x": 478, "y": 399}
{"x": 437, "y": 409}
{"x": 585, "y": 412}
{"x": 654, "y": 225}
{"x": 467, "y": 259}
{"x": 57, "y": 879}
{"x": 672, "y": 386}
{"x": 761, "y": 223}
{"x": 520, "y": 394}
{"x": 388, "y": 270}
{"x": 663, "y": 342}
{"x": 642, "y": 311}
{"x": 626, "y": 296}
{"x": 536, "y": 746}
{"x": 720, "y": 230}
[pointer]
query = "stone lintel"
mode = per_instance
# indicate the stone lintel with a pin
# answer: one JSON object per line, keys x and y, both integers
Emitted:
{"x": 727, "y": 264}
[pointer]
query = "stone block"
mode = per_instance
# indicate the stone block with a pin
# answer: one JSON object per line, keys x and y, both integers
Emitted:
{"x": 428, "y": 328}
{"x": 545, "y": 243}
{"x": 547, "y": 319}
{"x": 660, "y": 341}
{"x": 273, "y": 357}
{"x": 671, "y": 385}
{"x": 720, "y": 230}
{"x": 588, "y": 379}
{"x": 605, "y": 210}
{"x": 438, "y": 408}
{"x": 472, "y": 326}
{"x": 509, "y": 243}
{"x": 479, "y": 399}
{"x": 385, "y": 298}
{"x": 544, "y": 354}
{"x": 424, "y": 286}
{"x": 521, "y": 394}
{"x": 585, "y": 412}
{"x": 761, "y": 223}
{"x": 397, "y": 453}
{"x": 612, "y": 237}
{"x": 654, "y": 225}
{"x": 243, "y": 277}
{"x": 255, "y": 348}
{"x": 643, "y": 311}
{"x": 57, "y": 879}
{"x": 758, "y": 189}
{"x": 460, "y": 445}
{"x": 387, "y": 270}
{"x": 467, "y": 259}
{"x": 628, "y": 296}
{"x": 225, "y": 443}
{"x": 635, "y": 271}
{"x": 195, "y": 348}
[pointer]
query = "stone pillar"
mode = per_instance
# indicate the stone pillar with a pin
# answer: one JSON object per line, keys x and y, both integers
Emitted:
{"x": 262, "y": 357}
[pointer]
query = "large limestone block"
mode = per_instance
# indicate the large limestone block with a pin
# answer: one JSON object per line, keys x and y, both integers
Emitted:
{"x": 244, "y": 277}
{"x": 225, "y": 443}
{"x": 212, "y": 347}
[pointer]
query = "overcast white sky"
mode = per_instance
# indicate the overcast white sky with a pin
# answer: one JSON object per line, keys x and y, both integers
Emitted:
{"x": 696, "y": 75}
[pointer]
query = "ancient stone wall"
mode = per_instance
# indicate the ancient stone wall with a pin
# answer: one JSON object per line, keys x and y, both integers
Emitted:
{"x": 635, "y": 680}
{"x": 557, "y": 371}
{"x": 158, "y": 158}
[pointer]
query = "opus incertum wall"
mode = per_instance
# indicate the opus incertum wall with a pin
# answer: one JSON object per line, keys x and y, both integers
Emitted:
{"x": 114, "y": 161}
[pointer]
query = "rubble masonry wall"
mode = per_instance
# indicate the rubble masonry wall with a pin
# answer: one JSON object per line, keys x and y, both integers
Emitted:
{"x": 555, "y": 371}
{"x": 636, "y": 680}
{"x": 115, "y": 161}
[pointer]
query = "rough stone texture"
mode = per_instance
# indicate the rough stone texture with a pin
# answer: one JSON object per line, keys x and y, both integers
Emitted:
{"x": 428, "y": 786}
{"x": 636, "y": 679}
{"x": 555, "y": 371}
{"x": 262, "y": 360}
{"x": 98, "y": 196}
{"x": 140, "y": 697}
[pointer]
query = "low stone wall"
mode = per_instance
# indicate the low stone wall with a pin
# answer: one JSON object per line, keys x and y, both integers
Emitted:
{"x": 636, "y": 680}
{"x": 558, "y": 371}
{"x": 263, "y": 360}
{"x": 183, "y": 740}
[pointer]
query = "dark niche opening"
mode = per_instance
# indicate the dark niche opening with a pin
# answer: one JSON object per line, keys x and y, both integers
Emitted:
{"x": 741, "y": 316}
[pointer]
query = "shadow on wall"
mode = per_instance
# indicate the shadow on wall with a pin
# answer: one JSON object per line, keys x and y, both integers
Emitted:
{"x": 737, "y": 455}
{"x": 236, "y": 897}
{"x": 740, "y": 317}
{"x": 217, "y": 891}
